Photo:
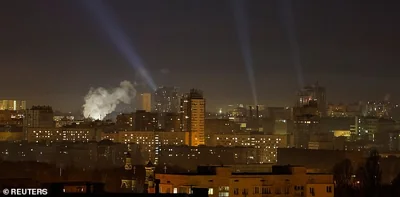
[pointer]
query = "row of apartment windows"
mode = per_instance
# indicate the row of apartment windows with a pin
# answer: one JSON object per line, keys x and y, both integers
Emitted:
{"x": 267, "y": 190}
{"x": 62, "y": 131}
{"x": 328, "y": 190}
{"x": 224, "y": 190}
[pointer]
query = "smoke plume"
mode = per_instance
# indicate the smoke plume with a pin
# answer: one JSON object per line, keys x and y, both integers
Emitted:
{"x": 99, "y": 102}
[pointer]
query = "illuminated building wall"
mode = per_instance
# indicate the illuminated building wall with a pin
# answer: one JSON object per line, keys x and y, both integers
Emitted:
{"x": 222, "y": 182}
{"x": 267, "y": 144}
{"x": 12, "y": 105}
{"x": 341, "y": 133}
{"x": 11, "y": 134}
{"x": 150, "y": 142}
{"x": 62, "y": 134}
{"x": 193, "y": 115}
{"x": 197, "y": 121}
{"x": 145, "y": 102}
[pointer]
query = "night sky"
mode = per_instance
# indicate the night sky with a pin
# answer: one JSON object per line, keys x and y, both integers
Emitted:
{"x": 52, "y": 52}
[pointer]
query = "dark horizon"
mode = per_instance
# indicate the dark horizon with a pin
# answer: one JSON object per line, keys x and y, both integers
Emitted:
{"x": 53, "y": 52}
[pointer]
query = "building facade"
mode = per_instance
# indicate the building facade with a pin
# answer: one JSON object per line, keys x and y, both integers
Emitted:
{"x": 166, "y": 100}
{"x": 39, "y": 134}
{"x": 149, "y": 142}
{"x": 15, "y": 105}
{"x": 145, "y": 102}
{"x": 306, "y": 124}
{"x": 266, "y": 145}
{"x": 220, "y": 181}
{"x": 192, "y": 111}
{"x": 38, "y": 117}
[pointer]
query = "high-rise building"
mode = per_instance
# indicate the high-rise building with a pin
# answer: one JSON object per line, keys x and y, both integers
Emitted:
{"x": 166, "y": 99}
{"x": 306, "y": 124}
{"x": 38, "y": 117}
{"x": 192, "y": 113}
{"x": 313, "y": 93}
{"x": 145, "y": 102}
{"x": 12, "y": 105}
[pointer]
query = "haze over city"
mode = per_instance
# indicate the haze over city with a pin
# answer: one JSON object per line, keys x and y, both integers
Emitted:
{"x": 60, "y": 51}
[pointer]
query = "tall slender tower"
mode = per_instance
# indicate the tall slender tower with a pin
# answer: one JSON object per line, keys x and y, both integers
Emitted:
{"x": 192, "y": 113}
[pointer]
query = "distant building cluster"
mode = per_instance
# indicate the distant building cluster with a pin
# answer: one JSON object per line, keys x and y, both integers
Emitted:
{"x": 174, "y": 132}
{"x": 12, "y": 105}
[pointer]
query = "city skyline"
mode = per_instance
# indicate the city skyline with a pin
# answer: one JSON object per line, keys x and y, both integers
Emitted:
{"x": 195, "y": 98}
{"x": 64, "y": 41}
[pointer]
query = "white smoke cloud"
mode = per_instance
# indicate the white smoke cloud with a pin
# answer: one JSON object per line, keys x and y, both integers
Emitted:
{"x": 99, "y": 102}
